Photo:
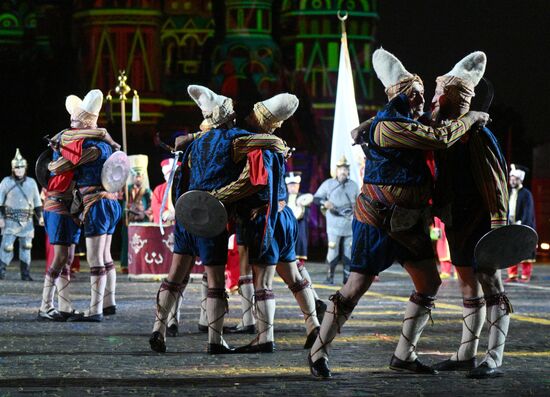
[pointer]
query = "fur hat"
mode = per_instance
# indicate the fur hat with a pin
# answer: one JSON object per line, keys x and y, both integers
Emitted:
{"x": 470, "y": 68}
{"x": 216, "y": 109}
{"x": 85, "y": 111}
{"x": 388, "y": 68}
{"x": 293, "y": 177}
{"x": 271, "y": 113}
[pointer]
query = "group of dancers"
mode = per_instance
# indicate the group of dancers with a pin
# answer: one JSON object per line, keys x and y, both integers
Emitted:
{"x": 237, "y": 159}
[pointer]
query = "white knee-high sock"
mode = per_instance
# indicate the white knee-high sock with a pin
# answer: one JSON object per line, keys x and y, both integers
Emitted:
{"x": 203, "y": 320}
{"x": 174, "y": 317}
{"x": 265, "y": 314}
{"x": 417, "y": 314}
{"x": 48, "y": 290}
{"x": 246, "y": 290}
{"x": 498, "y": 317}
{"x": 306, "y": 301}
{"x": 166, "y": 297}
{"x": 216, "y": 307}
{"x": 62, "y": 283}
{"x": 110, "y": 286}
{"x": 305, "y": 275}
{"x": 338, "y": 312}
{"x": 473, "y": 317}
{"x": 98, "y": 280}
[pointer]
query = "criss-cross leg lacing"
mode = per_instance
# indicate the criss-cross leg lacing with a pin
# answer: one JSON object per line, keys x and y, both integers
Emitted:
{"x": 338, "y": 312}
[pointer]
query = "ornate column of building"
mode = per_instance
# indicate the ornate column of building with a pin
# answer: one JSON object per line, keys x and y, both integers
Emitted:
{"x": 187, "y": 29}
{"x": 113, "y": 35}
{"x": 246, "y": 63}
{"x": 310, "y": 41}
{"x": 310, "y": 35}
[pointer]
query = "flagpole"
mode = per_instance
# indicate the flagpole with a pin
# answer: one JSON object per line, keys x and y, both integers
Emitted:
{"x": 342, "y": 18}
{"x": 346, "y": 117}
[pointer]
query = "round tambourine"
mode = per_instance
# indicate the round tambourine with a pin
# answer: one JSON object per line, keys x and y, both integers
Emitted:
{"x": 506, "y": 246}
{"x": 115, "y": 172}
{"x": 201, "y": 214}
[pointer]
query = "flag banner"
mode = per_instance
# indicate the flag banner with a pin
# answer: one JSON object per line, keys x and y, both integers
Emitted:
{"x": 346, "y": 119}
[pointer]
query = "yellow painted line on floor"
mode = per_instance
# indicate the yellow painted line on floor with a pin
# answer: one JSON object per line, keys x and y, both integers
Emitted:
{"x": 526, "y": 354}
{"x": 292, "y": 339}
{"x": 370, "y": 312}
{"x": 369, "y": 322}
{"x": 228, "y": 370}
{"x": 480, "y": 355}
{"x": 529, "y": 319}
{"x": 267, "y": 370}
{"x": 448, "y": 306}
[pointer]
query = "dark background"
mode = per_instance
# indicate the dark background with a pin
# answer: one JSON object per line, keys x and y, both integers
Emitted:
{"x": 431, "y": 36}
{"x": 428, "y": 36}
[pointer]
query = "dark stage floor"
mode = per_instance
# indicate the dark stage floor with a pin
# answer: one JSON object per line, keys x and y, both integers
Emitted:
{"x": 113, "y": 358}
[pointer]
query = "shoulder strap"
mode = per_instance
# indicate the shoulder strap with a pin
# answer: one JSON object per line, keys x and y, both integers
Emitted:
{"x": 8, "y": 192}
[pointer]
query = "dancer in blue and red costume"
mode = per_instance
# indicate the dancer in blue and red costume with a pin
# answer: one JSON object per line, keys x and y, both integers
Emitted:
{"x": 63, "y": 228}
{"x": 99, "y": 210}
{"x": 216, "y": 157}
{"x": 472, "y": 192}
{"x": 391, "y": 213}
{"x": 270, "y": 231}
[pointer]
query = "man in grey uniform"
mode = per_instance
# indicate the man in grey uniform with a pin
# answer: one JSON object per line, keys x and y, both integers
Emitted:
{"x": 337, "y": 196}
{"x": 19, "y": 198}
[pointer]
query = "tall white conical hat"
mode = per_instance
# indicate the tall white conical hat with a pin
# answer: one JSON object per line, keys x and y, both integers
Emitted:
{"x": 205, "y": 98}
{"x": 271, "y": 113}
{"x": 393, "y": 75}
{"x": 470, "y": 68}
{"x": 388, "y": 68}
{"x": 216, "y": 109}
{"x": 84, "y": 113}
{"x": 91, "y": 103}
{"x": 281, "y": 106}
{"x": 71, "y": 103}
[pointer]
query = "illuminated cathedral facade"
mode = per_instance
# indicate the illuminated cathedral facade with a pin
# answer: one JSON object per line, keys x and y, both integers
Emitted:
{"x": 245, "y": 49}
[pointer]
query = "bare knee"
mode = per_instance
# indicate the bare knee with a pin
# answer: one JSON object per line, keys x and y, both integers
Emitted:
{"x": 216, "y": 276}
{"x": 263, "y": 277}
{"x": 425, "y": 276}
{"x": 289, "y": 272}
{"x": 490, "y": 282}
{"x": 469, "y": 283}
{"x": 356, "y": 286}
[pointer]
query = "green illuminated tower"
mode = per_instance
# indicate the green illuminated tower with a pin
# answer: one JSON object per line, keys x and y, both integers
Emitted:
{"x": 121, "y": 35}
{"x": 247, "y": 58}
{"x": 186, "y": 27}
{"x": 311, "y": 44}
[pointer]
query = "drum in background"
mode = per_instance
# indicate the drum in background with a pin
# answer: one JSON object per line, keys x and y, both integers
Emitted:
{"x": 150, "y": 253}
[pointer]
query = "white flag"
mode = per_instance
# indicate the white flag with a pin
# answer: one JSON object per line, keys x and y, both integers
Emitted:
{"x": 346, "y": 119}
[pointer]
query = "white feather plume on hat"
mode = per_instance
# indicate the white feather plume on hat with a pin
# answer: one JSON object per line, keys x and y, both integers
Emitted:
{"x": 388, "y": 68}
{"x": 470, "y": 68}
